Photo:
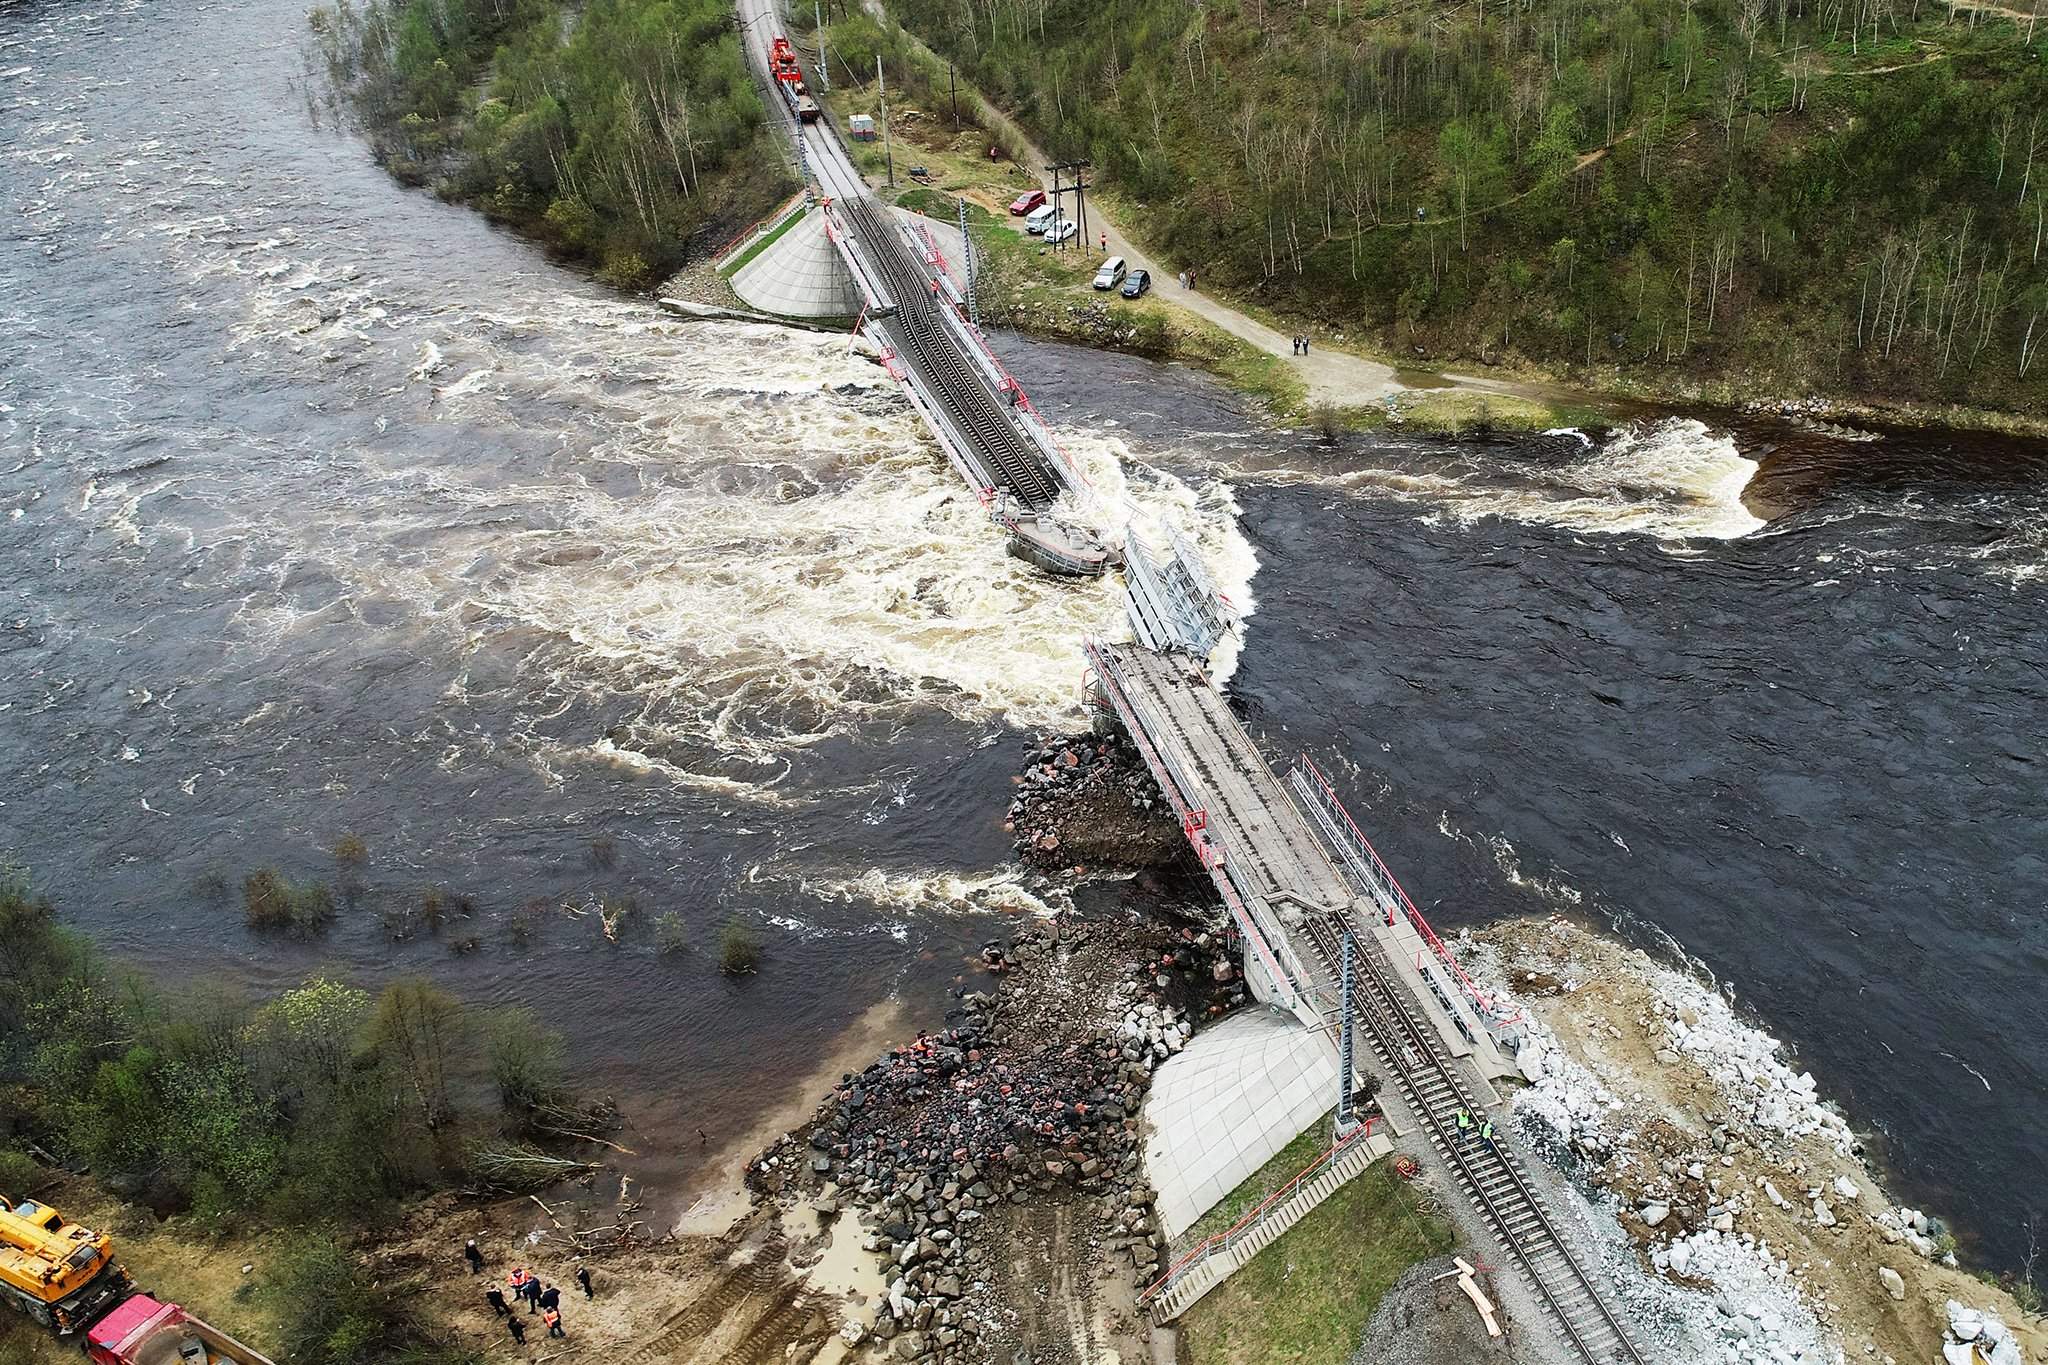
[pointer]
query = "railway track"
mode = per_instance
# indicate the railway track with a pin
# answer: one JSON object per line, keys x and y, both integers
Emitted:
{"x": 1491, "y": 1177}
{"x": 939, "y": 363}
{"x": 1409, "y": 1048}
{"x": 927, "y": 347}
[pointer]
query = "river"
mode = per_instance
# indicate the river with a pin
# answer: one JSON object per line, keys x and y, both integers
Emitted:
{"x": 326, "y": 508}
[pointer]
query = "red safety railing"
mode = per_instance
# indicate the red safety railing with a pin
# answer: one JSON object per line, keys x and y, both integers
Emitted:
{"x": 1421, "y": 925}
{"x": 1207, "y": 851}
{"x": 776, "y": 216}
{"x": 1222, "y": 1241}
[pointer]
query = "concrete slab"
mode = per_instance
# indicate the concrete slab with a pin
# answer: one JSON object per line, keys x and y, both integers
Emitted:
{"x": 800, "y": 275}
{"x": 1239, "y": 1092}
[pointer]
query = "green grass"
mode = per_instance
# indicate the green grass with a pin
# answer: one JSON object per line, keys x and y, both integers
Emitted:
{"x": 1305, "y": 1299}
{"x": 944, "y": 207}
{"x": 768, "y": 239}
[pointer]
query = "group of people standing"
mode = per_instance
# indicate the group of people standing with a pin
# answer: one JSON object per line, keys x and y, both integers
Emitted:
{"x": 542, "y": 1299}
{"x": 1301, "y": 345}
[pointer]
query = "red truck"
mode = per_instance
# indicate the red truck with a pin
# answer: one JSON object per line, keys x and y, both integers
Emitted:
{"x": 143, "y": 1331}
{"x": 789, "y": 79}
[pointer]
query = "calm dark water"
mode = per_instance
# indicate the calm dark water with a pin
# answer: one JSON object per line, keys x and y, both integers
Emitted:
{"x": 1808, "y": 758}
{"x": 325, "y": 508}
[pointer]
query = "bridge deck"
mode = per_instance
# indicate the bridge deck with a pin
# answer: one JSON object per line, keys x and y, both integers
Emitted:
{"x": 1248, "y": 811}
{"x": 1271, "y": 855}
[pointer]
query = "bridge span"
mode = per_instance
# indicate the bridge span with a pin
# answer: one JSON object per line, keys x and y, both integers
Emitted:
{"x": 1306, "y": 892}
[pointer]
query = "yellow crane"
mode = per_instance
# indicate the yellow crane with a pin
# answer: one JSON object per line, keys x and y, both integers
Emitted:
{"x": 57, "y": 1272}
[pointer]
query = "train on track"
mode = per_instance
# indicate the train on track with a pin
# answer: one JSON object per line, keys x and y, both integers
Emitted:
{"x": 789, "y": 79}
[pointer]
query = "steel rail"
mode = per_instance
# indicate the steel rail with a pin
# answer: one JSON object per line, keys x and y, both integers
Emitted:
{"x": 1491, "y": 1177}
{"x": 946, "y": 372}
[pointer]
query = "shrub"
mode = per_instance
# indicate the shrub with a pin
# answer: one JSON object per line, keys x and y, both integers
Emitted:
{"x": 670, "y": 934}
{"x": 525, "y": 1059}
{"x": 266, "y": 899}
{"x": 19, "y": 1175}
{"x": 334, "y": 1313}
{"x": 350, "y": 850}
{"x": 312, "y": 910}
{"x": 625, "y": 270}
{"x": 270, "y": 902}
{"x": 739, "y": 951}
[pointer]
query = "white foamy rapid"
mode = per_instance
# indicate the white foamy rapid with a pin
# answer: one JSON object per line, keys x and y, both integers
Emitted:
{"x": 941, "y": 892}
{"x": 1675, "y": 480}
{"x": 1132, "y": 495}
{"x": 733, "y": 542}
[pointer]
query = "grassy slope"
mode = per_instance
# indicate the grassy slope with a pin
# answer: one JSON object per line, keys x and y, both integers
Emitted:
{"x": 768, "y": 239}
{"x": 1722, "y": 194}
{"x": 1305, "y": 1299}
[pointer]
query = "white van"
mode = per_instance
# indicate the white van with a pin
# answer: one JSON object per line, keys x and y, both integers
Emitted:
{"x": 1035, "y": 222}
{"x": 1112, "y": 273}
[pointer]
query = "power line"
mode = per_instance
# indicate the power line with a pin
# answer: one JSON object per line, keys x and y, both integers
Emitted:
{"x": 1079, "y": 188}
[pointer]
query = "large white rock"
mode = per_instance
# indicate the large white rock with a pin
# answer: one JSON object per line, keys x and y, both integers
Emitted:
{"x": 1654, "y": 1214}
{"x": 1964, "y": 1324}
{"x": 1958, "y": 1353}
{"x": 1894, "y": 1283}
{"x": 1845, "y": 1187}
{"x": 1822, "y": 1214}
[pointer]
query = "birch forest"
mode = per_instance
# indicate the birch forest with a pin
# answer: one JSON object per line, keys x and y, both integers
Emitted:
{"x": 1845, "y": 195}
{"x": 626, "y": 132}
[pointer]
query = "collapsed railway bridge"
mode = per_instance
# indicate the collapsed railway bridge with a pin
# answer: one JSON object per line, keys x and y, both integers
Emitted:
{"x": 1329, "y": 936}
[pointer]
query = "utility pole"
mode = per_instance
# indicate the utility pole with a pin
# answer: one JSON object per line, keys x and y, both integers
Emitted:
{"x": 953, "y": 82}
{"x": 1058, "y": 206}
{"x": 824, "y": 62}
{"x": 967, "y": 251}
{"x": 888, "y": 151}
{"x": 1346, "y": 1120}
{"x": 1080, "y": 192}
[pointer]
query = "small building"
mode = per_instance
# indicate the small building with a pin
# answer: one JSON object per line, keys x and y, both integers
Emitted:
{"x": 863, "y": 127}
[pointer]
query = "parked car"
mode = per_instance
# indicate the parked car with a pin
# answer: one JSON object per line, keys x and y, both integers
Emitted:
{"x": 1040, "y": 218}
{"x": 1112, "y": 273}
{"x": 1060, "y": 230}
{"x": 1026, "y": 202}
{"x": 1136, "y": 283}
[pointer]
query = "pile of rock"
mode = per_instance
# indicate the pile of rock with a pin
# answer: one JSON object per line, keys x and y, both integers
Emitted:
{"x": 1083, "y": 800}
{"x": 1023, "y": 1097}
{"x": 1977, "y": 1336}
{"x": 1920, "y": 1232}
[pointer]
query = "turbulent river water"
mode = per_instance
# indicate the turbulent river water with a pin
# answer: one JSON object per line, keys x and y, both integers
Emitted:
{"x": 326, "y": 508}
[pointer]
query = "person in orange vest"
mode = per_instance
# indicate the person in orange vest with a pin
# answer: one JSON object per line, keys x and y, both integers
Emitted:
{"x": 517, "y": 1281}
{"x": 553, "y": 1318}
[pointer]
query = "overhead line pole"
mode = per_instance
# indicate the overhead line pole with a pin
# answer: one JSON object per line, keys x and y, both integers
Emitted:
{"x": 888, "y": 150}
{"x": 967, "y": 252}
{"x": 824, "y": 63}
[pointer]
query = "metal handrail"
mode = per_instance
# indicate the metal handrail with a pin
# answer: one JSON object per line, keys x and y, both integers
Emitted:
{"x": 1213, "y": 853}
{"x": 1372, "y": 872}
{"x": 1236, "y": 1232}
